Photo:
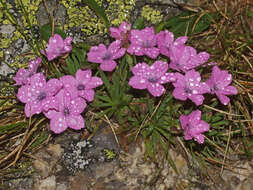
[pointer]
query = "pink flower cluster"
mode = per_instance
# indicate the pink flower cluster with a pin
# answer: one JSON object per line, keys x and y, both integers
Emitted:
{"x": 183, "y": 59}
{"x": 61, "y": 100}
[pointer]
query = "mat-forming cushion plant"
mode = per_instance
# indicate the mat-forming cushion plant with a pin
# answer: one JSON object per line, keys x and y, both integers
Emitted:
{"x": 63, "y": 100}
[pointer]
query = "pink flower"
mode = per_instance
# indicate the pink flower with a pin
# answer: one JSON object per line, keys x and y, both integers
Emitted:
{"x": 57, "y": 47}
{"x": 151, "y": 77}
{"x": 122, "y": 33}
{"x": 100, "y": 54}
{"x": 23, "y": 75}
{"x": 164, "y": 41}
{"x": 219, "y": 84}
{"x": 67, "y": 114}
{"x": 189, "y": 86}
{"x": 184, "y": 58}
{"x": 82, "y": 85}
{"x": 193, "y": 126}
{"x": 143, "y": 42}
{"x": 38, "y": 94}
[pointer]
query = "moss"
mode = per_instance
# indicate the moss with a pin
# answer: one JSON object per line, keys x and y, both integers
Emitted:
{"x": 119, "y": 11}
{"x": 83, "y": 17}
{"x": 152, "y": 15}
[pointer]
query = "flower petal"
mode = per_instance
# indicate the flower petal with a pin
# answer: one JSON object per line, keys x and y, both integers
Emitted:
{"x": 223, "y": 99}
{"x": 93, "y": 83}
{"x": 197, "y": 99}
{"x": 108, "y": 65}
{"x": 21, "y": 77}
{"x": 151, "y": 52}
{"x": 138, "y": 82}
{"x": 184, "y": 120}
{"x": 38, "y": 81}
{"x": 70, "y": 84}
{"x": 83, "y": 76}
{"x": 155, "y": 89}
{"x": 23, "y": 95}
{"x": 53, "y": 86}
{"x": 96, "y": 53}
{"x": 51, "y": 103}
{"x": 58, "y": 123}
{"x": 167, "y": 77}
{"x": 140, "y": 69}
{"x": 77, "y": 106}
{"x": 179, "y": 93}
{"x": 159, "y": 68}
{"x": 87, "y": 94}
{"x": 115, "y": 49}
{"x": 50, "y": 113}
{"x": 229, "y": 90}
{"x": 75, "y": 122}
{"x": 33, "y": 108}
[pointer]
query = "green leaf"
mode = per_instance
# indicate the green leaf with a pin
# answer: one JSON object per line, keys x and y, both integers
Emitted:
{"x": 220, "y": 123}
{"x": 185, "y": 22}
{"x": 6, "y": 128}
{"x": 46, "y": 32}
{"x": 106, "y": 82}
{"x": 70, "y": 66}
{"x": 139, "y": 23}
{"x": 79, "y": 53}
{"x": 99, "y": 12}
{"x": 160, "y": 27}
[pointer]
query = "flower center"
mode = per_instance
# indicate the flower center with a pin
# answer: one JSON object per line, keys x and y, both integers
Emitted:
{"x": 41, "y": 96}
{"x": 215, "y": 88}
{"x": 80, "y": 87}
{"x": 187, "y": 90}
{"x": 66, "y": 111}
{"x": 146, "y": 44}
{"x": 107, "y": 56}
{"x": 153, "y": 79}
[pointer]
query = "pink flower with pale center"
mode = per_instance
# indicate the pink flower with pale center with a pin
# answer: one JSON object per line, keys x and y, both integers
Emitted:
{"x": 23, "y": 75}
{"x": 100, "y": 54}
{"x": 164, "y": 41}
{"x": 38, "y": 95}
{"x": 143, "y": 42}
{"x": 82, "y": 85}
{"x": 185, "y": 58}
{"x": 122, "y": 33}
{"x": 189, "y": 86}
{"x": 67, "y": 113}
{"x": 193, "y": 126}
{"x": 219, "y": 84}
{"x": 151, "y": 77}
{"x": 57, "y": 47}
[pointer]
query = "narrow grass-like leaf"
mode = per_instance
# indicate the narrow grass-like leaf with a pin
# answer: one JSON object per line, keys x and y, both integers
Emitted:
{"x": 106, "y": 82}
{"x": 5, "y": 128}
{"x": 99, "y": 12}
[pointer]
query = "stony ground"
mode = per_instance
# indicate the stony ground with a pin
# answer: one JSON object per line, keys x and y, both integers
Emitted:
{"x": 69, "y": 162}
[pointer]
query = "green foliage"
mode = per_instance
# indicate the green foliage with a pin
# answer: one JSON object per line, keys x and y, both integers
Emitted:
{"x": 187, "y": 23}
{"x": 115, "y": 99}
{"x": 139, "y": 23}
{"x": 46, "y": 32}
{"x": 156, "y": 130}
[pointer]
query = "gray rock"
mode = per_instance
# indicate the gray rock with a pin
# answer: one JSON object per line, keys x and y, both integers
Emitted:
{"x": 42, "y": 14}
{"x": 7, "y": 29}
{"x": 5, "y": 69}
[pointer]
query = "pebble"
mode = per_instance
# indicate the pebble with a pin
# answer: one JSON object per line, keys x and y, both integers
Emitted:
{"x": 46, "y": 184}
{"x": 7, "y": 29}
